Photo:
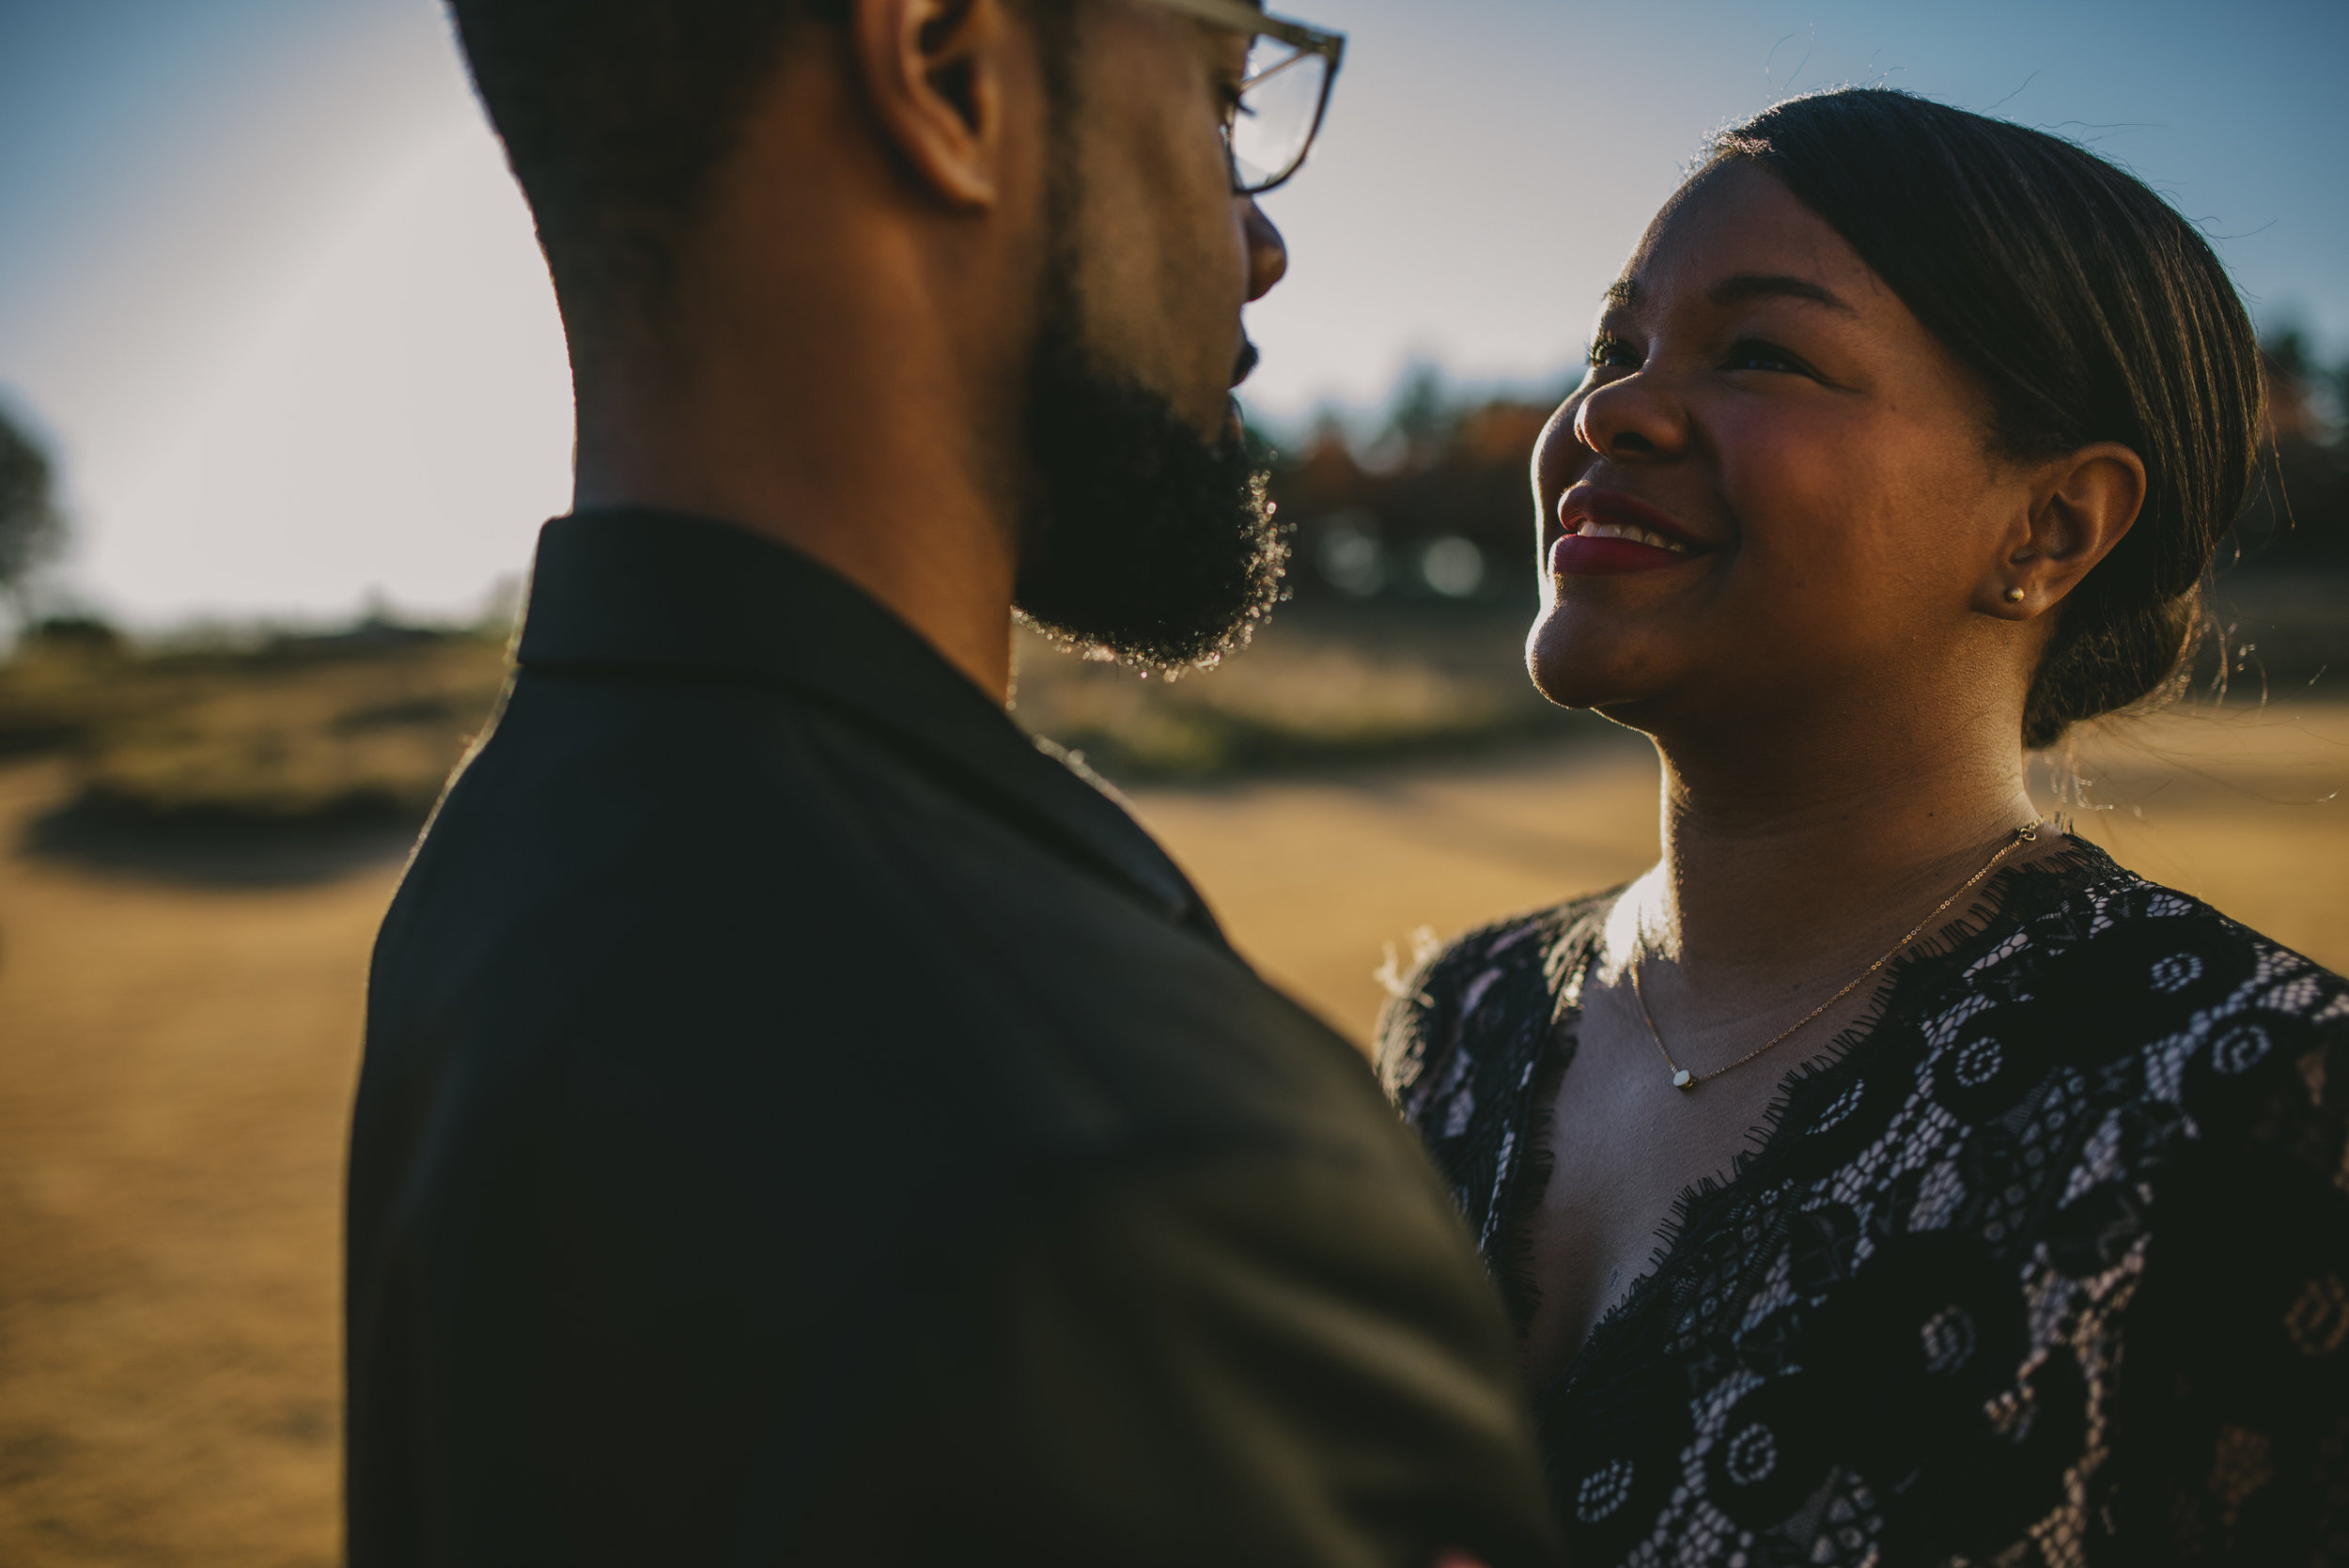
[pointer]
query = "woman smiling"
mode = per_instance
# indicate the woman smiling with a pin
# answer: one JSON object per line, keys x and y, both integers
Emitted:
{"x": 2000, "y": 1192}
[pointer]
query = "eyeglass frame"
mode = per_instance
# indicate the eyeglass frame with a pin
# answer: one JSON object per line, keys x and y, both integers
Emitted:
{"x": 1240, "y": 17}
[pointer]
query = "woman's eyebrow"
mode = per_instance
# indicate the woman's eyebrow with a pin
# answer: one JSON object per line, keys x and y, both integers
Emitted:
{"x": 1774, "y": 286}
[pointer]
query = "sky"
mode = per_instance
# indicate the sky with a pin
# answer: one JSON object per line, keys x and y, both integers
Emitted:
{"x": 268, "y": 293}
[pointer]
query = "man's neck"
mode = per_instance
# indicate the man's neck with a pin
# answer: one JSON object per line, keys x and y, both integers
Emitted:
{"x": 849, "y": 387}
{"x": 920, "y": 540}
{"x": 849, "y": 434}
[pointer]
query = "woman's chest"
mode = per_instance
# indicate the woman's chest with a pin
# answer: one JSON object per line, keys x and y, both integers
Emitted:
{"x": 1887, "y": 1305}
{"x": 1622, "y": 1148}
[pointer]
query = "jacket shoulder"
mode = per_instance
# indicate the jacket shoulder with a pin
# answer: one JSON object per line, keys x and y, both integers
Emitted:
{"x": 725, "y": 889}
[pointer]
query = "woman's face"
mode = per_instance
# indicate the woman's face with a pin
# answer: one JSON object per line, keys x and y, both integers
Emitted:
{"x": 1774, "y": 488}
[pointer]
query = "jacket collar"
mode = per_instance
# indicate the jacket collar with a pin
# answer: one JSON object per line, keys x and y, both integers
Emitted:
{"x": 638, "y": 590}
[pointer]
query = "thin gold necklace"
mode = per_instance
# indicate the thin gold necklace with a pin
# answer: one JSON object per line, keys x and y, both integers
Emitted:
{"x": 1684, "y": 1080}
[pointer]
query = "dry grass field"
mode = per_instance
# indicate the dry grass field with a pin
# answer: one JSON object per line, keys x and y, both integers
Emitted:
{"x": 1313, "y": 873}
{"x": 179, "y": 1034}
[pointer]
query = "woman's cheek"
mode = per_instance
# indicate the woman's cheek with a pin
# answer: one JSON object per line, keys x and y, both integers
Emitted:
{"x": 1802, "y": 481}
{"x": 1784, "y": 496}
{"x": 1557, "y": 454}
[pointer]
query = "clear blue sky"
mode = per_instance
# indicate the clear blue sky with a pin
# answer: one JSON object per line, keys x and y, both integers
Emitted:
{"x": 265, "y": 285}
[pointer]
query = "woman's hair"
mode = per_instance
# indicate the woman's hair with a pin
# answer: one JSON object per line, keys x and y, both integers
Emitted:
{"x": 2091, "y": 311}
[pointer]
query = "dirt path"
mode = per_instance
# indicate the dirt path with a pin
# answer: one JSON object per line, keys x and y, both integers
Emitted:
{"x": 176, "y": 1061}
{"x": 174, "y": 1065}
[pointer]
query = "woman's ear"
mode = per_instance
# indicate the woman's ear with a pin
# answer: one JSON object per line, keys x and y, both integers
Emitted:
{"x": 2081, "y": 505}
{"x": 936, "y": 74}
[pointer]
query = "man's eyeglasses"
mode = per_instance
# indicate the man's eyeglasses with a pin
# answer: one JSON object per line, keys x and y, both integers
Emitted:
{"x": 1282, "y": 96}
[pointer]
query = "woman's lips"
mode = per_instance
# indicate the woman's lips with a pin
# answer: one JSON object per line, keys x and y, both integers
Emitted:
{"x": 1597, "y": 555}
{"x": 1608, "y": 534}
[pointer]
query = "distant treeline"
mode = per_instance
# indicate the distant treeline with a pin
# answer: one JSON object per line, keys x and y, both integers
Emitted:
{"x": 2298, "y": 518}
{"x": 1428, "y": 503}
{"x": 1431, "y": 502}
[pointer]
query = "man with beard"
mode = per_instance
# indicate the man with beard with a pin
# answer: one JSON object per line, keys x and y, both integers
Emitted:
{"x": 803, "y": 1121}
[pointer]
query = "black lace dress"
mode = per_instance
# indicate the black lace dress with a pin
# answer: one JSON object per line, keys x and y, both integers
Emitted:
{"x": 2050, "y": 1264}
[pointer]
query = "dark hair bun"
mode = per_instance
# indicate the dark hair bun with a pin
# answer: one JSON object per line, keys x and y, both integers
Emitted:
{"x": 2092, "y": 310}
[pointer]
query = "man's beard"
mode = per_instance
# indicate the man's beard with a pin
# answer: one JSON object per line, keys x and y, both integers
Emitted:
{"x": 1143, "y": 539}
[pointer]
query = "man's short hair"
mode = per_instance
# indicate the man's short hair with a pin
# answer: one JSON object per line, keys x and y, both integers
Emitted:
{"x": 616, "y": 113}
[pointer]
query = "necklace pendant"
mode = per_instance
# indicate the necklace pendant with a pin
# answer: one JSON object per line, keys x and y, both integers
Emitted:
{"x": 1684, "y": 1079}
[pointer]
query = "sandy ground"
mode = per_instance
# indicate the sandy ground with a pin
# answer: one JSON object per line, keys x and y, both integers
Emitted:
{"x": 1313, "y": 878}
{"x": 176, "y": 1054}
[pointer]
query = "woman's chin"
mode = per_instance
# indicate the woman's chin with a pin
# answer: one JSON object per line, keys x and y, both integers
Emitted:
{"x": 1575, "y": 667}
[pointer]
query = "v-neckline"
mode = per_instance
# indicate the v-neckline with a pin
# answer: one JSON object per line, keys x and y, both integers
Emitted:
{"x": 1697, "y": 1203}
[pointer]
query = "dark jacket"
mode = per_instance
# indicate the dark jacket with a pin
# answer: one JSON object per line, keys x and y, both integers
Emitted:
{"x": 803, "y": 1120}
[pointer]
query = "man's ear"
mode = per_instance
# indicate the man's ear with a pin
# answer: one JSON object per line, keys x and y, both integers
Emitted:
{"x": 2081, "y": 505}
{"x": 935, "y": 74}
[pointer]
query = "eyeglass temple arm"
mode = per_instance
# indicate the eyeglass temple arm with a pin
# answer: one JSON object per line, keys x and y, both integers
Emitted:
{"x": 1243, "y": 18}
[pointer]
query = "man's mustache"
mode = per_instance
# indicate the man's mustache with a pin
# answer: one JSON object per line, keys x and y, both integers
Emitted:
{"x": 1245, "y": 363}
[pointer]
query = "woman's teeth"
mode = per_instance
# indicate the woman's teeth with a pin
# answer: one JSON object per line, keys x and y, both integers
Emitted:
{"x": 1591, "y": 530}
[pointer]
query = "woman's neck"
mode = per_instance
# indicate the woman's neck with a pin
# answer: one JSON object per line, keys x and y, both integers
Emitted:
{"x": 1786, "y": 862}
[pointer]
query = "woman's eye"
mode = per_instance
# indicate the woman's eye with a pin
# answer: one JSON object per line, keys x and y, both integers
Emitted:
{"x": 1613, "y": 353}
{"x": 1754, "y": 354}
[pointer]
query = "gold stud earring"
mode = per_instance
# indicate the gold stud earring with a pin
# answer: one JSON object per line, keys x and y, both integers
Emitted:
{"x": 2014, "y": 596}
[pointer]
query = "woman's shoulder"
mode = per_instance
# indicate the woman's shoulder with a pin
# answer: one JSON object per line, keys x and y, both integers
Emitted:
{"x": 1499, "y": 979}
{"x": 2217, "y": 1169}
{"x": 2236, "y": 1029}
{"x": 2163, "y": 961}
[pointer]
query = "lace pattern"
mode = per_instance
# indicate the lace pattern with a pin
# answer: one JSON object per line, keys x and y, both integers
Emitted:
{"x": 2050, "y": 1266}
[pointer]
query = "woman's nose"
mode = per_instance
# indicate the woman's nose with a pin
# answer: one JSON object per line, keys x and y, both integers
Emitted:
{"x": 1633, "y": 419}
{"x": 1267, "y": 252}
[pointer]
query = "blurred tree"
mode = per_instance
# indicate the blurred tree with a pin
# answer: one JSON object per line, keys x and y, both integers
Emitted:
{"x": 1447, "y": 470}
{"x": 31, "y": 525}
{"x": 1423, "y": 414}
{"x": 2298, "y": 519}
